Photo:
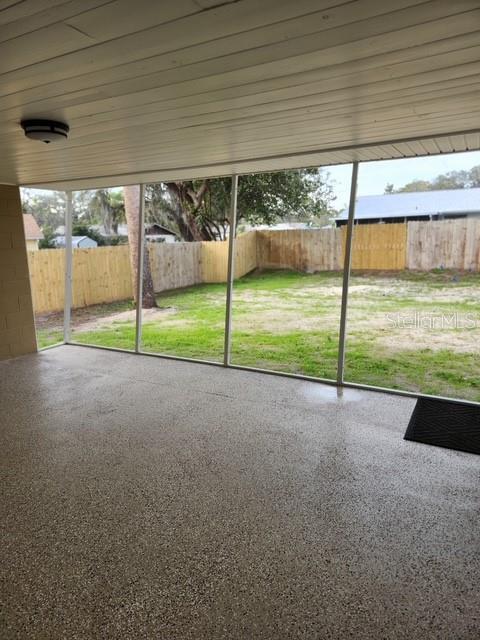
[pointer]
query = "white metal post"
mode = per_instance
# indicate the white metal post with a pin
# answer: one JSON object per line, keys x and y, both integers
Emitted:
{"x": 346, "y": 275}
{"x": 140, "y": 257}
{"x": 230, "y": 271}
{"x": 67, "y": 308}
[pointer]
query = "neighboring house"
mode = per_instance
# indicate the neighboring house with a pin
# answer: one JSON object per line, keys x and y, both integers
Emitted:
{"x": 157, "y": 233}
{"x": 280, "y": 226}
{"x": 153, "y": 232}
{"x": 33, "y": 233}
{"x": 418, "y": 205}
{"x": 78, "y": 242}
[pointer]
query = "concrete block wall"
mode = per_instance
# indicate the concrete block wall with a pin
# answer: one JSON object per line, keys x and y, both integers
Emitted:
{"x": 17, "y": 326}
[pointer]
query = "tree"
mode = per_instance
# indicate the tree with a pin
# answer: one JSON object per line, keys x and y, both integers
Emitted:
{"x": 474, "y": 176}
{"x": 108, "y": 205}
{"x": 462, "y": 179}
{"x": 305, "y": 195}
{"x": 103, "y": 206}
{"x": 186, "y": 205}
{"x": 451, "y": 180}
{"x": 48, "y": 240}
{"x": 416, "y": 185}
{"x": 199, "y": 209}
{"x": 47, "y": 207}
{"x": 132, "y": 211}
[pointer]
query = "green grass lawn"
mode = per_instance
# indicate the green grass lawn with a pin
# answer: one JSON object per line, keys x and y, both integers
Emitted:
{"x": 288, "y": 321}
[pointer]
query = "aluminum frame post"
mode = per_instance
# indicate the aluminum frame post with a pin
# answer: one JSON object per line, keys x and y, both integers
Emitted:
{"x": 140, "y": 259}
{"x": 346, "y": 275}
{"x": 230, "y": 271}
{"x": 67, "y": 306}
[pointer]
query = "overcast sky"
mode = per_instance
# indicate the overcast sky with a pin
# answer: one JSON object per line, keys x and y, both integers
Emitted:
{"x": 373, "y": 176}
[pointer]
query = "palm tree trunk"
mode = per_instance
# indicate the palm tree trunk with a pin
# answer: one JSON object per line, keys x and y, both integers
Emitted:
{"x": 131, "y": 195}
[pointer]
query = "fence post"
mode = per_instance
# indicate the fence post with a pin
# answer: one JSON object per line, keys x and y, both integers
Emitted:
{"x": 67, "y": 306}
{"x": 140, "y": 257}
{"x": 346, "y": 275}
{"x": 230, "y": 271}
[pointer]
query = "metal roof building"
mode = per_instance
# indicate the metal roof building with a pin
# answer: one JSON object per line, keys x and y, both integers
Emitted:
{"x": 78, "y": 242}
{"x": 419, "y": 205}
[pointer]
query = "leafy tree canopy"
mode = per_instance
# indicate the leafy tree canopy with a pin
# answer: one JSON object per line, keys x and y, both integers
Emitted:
{"x": 462, "y": 179}
{"x": 199, "y": 209}
{"x": 106, "y": 207}
{"x": 48, "y": 207}
{"x": 103, "y": 207}
{"x": 48, "y": 240}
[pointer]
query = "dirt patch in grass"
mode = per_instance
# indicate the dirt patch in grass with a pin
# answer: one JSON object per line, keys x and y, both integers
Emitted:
{"x": 281, "y": 320}
{"x": 123, "y": 317}
{"x": 455, "y": 341}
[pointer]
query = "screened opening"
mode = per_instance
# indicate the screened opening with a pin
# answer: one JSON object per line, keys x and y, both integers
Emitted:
{"x": 411, "y": 311}
{"x": 44, "y": 226}
{"x": 414, "y": 294}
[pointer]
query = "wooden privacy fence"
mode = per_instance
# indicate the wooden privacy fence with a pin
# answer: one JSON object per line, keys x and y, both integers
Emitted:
{"x": 175, "y": 265}
{"x": 215, "y": 254}
{"x": 306, "y": 250}
{"x": 98, "y": 275}
{"x": 379, "y": 246}
{"x": 375, "y": 246}
{"x": 182, "y": 264}
{"x": 103, "y": 274}
{"x": 47, "y": 278}
{"x": 446, "y": 244}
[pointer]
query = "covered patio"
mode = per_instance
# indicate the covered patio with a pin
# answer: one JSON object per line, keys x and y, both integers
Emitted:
{"x": 158, "y": 497}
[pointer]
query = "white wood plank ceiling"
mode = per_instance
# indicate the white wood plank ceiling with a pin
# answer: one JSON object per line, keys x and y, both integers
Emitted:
{"x": 202, "y": 87}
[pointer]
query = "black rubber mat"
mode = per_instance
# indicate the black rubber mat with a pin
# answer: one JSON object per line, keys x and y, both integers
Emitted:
{"x": 454, "y": 425}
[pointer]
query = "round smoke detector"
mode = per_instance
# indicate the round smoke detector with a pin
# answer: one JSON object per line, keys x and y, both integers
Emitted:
{"x": 45, "y": 130}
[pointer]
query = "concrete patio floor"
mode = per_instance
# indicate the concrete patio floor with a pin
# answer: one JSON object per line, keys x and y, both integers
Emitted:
{"x": 149, "y": 498}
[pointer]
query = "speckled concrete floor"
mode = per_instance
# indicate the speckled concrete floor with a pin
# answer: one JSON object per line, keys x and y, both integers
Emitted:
{"x": 147, "y": 498}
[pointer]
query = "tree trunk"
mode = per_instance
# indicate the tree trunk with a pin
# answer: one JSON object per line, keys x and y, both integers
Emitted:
{"x": 189, "y": 203}
{"x": 132, "y": 212}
